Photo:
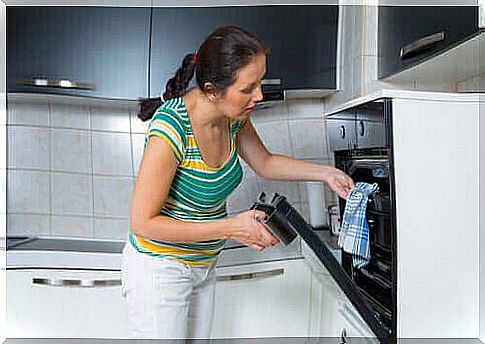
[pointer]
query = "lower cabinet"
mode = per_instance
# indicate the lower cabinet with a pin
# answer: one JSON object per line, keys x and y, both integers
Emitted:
{"x": 333, "y": 315}
{"x": 65, "y": 303}
{"x": 263, "y": 300}
{"x": 284, "y": 298}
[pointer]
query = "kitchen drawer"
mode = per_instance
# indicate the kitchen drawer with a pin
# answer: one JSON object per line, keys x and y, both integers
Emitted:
{"x": 341, "y": 131}
{"x": 65, "y": 303}
{"x": 370, "y": 125}
{"x": 263, "y": 300}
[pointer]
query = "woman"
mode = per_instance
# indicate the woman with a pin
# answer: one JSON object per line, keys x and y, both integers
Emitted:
{"x": 189, "y": 167}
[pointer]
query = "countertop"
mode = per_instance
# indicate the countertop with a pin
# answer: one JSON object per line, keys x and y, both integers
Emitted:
{"x": 69, "y": 253}
{"x": 288, "y": 340}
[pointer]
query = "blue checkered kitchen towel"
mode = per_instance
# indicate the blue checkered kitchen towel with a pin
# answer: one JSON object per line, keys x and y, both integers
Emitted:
{"x": 354, "y": 230}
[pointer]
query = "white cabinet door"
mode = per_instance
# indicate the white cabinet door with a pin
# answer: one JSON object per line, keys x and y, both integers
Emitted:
{"x": 333, "y": 314}
{"x": 263, "y": 300}
{"x": 61, "y": 303}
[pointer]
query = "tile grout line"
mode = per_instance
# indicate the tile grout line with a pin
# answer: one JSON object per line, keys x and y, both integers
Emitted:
{"x": 132, "y": 155}
{"x": 293, "y": 149}
{"x": 51, "y": 174}
{"x": 40, "y": 126}
{"x": 90, "y": 125}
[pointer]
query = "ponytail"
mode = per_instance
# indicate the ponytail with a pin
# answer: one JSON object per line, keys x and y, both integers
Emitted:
{"x": 175, "y": 87}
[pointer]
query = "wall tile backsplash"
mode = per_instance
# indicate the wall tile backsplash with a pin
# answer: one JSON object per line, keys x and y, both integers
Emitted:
{"x": 70, "y": 166}
{"x": 71, "y": 150}
{"x": 72, "y": 162}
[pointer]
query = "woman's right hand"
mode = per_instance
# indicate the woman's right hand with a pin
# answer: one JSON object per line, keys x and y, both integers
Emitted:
{"x": 248, "y": 228}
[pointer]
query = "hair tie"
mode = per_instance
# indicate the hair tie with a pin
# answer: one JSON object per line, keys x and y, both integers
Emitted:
{"x": 195, "y": 58}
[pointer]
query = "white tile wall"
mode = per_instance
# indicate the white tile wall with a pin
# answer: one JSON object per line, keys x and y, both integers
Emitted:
{"x": 28, "y": 147}
{"x": 112, "y": 196}
{"x": 72, "y": 226}
{"x": 71, "y": 150}
{"x": 72, "y": 194}
{"x": 54, "y": 146}
{"x": 137, "y": 142}
{"x": 308, "y": 139}
{"x": 246, "y": 194}
{"x": 111, "y": 228}
{"x": 305, "y": 109}
{"x": 275, "y": 113}
{"x": 28, "y": 110}
{"x": 72, "y": 162}
{"x": 288, "y": 189}
{"x": 110, "y": 117}
{"x": 112, "y": 154}
{"x": 275, "y": 136}
{"x": 137, "y": 125}
{"x": 70, "y": 113}
{"x": 28, "y": 192}
{"x": 21, "y": 224}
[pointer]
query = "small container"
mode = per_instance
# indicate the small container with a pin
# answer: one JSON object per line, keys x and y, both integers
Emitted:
{"x": 334, "y": 214}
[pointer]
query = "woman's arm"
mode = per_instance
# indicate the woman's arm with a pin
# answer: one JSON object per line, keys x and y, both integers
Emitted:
{"x": 280, "y": 167}
{"x": 155, "y": 175}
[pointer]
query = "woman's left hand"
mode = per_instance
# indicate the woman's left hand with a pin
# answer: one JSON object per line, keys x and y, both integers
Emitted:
{"x": 339, "y": 182}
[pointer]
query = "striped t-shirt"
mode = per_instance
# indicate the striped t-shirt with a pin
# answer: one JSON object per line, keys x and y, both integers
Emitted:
{"x": 198, "y": 191}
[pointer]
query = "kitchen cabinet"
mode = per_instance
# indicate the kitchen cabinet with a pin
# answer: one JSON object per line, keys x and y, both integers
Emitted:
{"x": 336, "y": 314}
{"x": 433, "y": 161}
{"x": 100, "y": 51}
{"x": 64, "y": 303}
{"x": 332, "y": 313}
{"x": 302, "y": 41}
{"x": 408, "y": 35}
{"x": 263, "y": 300}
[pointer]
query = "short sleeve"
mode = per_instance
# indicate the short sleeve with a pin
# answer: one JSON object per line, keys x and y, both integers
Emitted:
{"x": 167, "y": 125}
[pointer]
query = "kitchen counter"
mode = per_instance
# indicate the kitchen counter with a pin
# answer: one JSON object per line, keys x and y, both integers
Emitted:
{"x": 64, "y": 253}
{"x": 288, "y": 340}
{"x": 74, "y": 244}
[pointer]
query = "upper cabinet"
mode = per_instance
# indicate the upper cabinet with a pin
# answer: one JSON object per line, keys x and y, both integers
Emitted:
{"x": 302, "y": 41}
{"x": 86, "y": 51}
{"x": 128, "y": 53}
{"x": 409, "y": 35}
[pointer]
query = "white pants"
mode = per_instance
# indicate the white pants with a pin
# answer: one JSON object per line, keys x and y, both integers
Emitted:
{"x": 166, "y": 298}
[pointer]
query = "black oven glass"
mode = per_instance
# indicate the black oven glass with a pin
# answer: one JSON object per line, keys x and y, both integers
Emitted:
{"x": 375, "y": 280}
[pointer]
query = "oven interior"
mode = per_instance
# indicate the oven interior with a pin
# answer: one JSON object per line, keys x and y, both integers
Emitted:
{"x": 375, "y": 280}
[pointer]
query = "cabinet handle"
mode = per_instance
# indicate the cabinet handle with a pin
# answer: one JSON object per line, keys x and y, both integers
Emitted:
{"x": 342, "y": 131}
{"x": 76, "y": 282}
{"x": 251, "y": 275}
{"x": 271, "y": 82}
{"x": 420, "y": 44}
{"x": 361, "y": 128}
{"x": 57, "y": 84}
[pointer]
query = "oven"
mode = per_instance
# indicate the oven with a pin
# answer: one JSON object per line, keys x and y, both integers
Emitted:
{"x": 359, "y": 139}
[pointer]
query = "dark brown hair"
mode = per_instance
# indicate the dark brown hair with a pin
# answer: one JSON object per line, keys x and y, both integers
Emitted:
{"x": 220, "y": 56}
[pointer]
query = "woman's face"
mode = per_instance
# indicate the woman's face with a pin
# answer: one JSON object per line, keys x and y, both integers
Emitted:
{"x": 240, "y": 98}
